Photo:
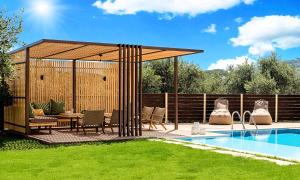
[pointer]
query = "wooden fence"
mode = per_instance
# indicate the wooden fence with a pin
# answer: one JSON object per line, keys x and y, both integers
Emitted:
{"x": 198, "y": 107}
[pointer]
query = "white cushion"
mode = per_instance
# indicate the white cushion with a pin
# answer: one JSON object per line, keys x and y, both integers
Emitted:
{"x": 260, "y": 112}
{"x": 220, "y": 112}
{"x": 221, "y": 106}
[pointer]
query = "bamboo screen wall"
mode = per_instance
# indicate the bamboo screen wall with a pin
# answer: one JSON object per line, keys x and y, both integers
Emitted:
{"x": 92, "y": 91}
{"x": 15, "y": 115}
{"x": 50, "y": 79}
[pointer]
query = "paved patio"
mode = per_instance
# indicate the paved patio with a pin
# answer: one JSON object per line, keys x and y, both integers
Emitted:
{"x": 66, "y": 136}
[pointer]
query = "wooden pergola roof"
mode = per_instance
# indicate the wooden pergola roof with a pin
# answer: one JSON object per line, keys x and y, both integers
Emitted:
{"x": 91, "y": 51}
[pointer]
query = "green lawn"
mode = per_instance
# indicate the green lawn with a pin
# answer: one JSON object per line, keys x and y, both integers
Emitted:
{"x": 131, "y": 160}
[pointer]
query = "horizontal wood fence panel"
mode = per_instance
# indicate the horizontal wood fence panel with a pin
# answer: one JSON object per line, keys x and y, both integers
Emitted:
{"x": 191, "y": 105}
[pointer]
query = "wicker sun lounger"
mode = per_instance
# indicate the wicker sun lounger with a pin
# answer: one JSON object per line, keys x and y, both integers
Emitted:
{"x": 261, "y": 114}
{"x": 220, "y": 114}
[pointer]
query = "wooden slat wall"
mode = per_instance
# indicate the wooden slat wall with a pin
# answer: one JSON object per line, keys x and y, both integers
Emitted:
{"x": 57, "y": 82}
{"x": 289, "y": 108}
{"x": 91, "y": 91}
{"x": 15, "y": 114}
{"x": 191, "y": 105}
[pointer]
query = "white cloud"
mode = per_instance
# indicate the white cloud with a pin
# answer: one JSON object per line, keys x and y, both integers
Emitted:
{"x": 175, "y": 7}
{"x": 238, "y": 20}
{"x": 265, "y": 34}
{"x": 225, "y": 63}
{"x": 166, "y": 16}
{"x": 212, "y": 29}
{"x": 249, "y": 2}
{"x": 227, "y": 28}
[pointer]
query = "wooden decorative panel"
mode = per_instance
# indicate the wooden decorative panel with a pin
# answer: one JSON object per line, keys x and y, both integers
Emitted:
{"x": 50, "y": 79}
{"x": 93, "y": 92}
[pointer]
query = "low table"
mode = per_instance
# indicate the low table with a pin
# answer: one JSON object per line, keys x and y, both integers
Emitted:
{"x": 39, "y": 121}
{"x": 71, "y": 116}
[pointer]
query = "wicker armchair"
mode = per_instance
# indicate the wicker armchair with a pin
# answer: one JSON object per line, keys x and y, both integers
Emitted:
{"x": 260, "y": 113}
{"x": 158, "y": 117}
{"x": 113, "y": 121}
{"x": 220, "y": 114}
{"x": 92, "y": 119}
{"x": 146, "y": 115}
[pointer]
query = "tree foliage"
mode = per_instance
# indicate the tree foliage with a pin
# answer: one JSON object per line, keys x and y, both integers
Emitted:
{"x": 238, "y": 77}
{"x": 10, "y": 28}
{"x": 269, "y": 75}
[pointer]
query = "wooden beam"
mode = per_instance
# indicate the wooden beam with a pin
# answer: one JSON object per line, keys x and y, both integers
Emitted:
{"x": 132, "y": 91}
{"x": 140, "y": 89}
{"x": 175, "y": 81}
{"x": 120, "y": 88}
{"x": 167, "y": 107}
{"x": 128, "y": 91}
{"x": 124, "y": 88}
{"x": 276, "y": 108}
{"x": 74, "y": 85}
{"x": 27, "y": 89}
{"x": 136, "y": 90}
{"x": 204, "y": 108}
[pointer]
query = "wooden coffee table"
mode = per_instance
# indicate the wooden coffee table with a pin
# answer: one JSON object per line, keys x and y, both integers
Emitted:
{"x": 72, "y": 116}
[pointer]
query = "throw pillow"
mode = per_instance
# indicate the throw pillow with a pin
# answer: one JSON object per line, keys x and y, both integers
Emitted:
{"x": 38, "y": 112}
{"x": 57, "y": 107}
{"x": 45, "y": 106}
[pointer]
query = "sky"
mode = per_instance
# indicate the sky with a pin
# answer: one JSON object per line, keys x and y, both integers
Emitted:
{"x": 229, "y": 31}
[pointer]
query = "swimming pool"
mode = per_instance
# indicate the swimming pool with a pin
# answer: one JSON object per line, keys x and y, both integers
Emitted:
{"x": 284, "y": 143}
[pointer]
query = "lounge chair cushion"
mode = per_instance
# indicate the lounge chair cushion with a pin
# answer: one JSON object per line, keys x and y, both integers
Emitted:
{"x": 38, "y": 112}
{"x": 45, "y": 106}
{"x": 57, "y": 107}
{"x": 220, "y": 112}
{"x": 221, "y": 106}
{"x": 260, "y": 112}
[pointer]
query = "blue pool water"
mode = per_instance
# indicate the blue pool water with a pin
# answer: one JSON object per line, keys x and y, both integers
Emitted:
{"x": 283, "y": 143}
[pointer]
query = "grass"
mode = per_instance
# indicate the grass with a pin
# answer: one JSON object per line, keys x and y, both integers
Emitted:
{"x": 131, "y": 160}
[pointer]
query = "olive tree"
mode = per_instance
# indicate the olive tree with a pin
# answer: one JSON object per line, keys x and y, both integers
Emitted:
{"x": 10, "y": 28}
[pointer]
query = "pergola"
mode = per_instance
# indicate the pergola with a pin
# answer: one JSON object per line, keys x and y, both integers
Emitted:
{"x": 73, "y": 61}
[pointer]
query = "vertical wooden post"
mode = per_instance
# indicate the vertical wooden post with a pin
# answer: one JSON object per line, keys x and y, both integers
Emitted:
{"x": 124, "y": 89}
{"x": 276, "y": 108}
{"x": 136, "y": 90}
{"x": 27, "y": 89}
{"x": 132, "y": 91}
{"x": 204, "y": 108}
{"x": 74, "y": 85}
{"x": 140, "y": 89}
{"x": 242, "y": 104}
{"x": 166, "y": 106}
{"x": 175, "y": 81}
{"x": 128, "y": 91}
{"x": 120, "y": 88}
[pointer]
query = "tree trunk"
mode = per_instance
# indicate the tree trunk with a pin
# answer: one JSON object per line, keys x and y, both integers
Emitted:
{"x": 1, "y": 117}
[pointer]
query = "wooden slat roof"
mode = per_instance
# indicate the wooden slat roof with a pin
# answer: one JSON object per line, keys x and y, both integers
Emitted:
{"x": 74, "y": 50}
